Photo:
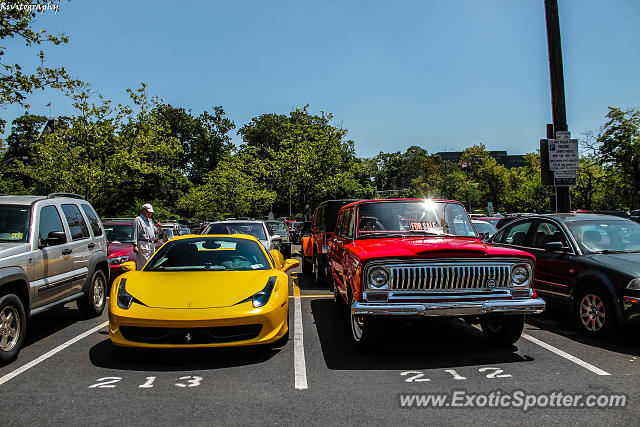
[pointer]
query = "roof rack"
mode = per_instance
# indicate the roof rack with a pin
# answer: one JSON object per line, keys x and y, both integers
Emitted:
{"x": 72, "y": 195}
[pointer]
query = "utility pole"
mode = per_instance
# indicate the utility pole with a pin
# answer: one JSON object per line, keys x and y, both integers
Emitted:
{"x": 562, "y": 200}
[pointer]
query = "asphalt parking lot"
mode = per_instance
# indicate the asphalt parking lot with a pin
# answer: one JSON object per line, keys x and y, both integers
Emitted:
{"x": 69, "y": 373}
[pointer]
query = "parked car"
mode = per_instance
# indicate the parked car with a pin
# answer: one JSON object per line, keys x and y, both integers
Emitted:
{"x": 416, "y": 257}
{"x": 53, "y": 250}
{"x": 120, "y": 249}
{"x": 203, "y": 291}
{"x": 316, "y": 246}
{"x": 485, "y": 229}
{"x": 493, "y": 220}
{"x": 255, "y": 228}
{"x": 635, "y": 215}
{"x": 588, "y": 264}
{"x": 279, "y": 228}
{"x": 511, "y": 217}
{"x": 296, "y": 232}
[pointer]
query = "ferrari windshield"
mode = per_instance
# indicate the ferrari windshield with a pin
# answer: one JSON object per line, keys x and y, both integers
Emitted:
{"x": 426, "y": 217}
{"x": 604, "y": 236}
{"x": 14, "y": 223}
{"x": 209, "y": 253}
{"x": 254, "y": 229}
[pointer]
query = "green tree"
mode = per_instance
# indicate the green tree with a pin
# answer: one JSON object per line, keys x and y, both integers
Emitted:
{"x": 17, "y": 20}
{"x": 620, "y": 149}
{"x": 525, "y": 192}
{"x": 205, "y": 139}
{"x": 231, "y": 190}
{"x": 492, "y": 178}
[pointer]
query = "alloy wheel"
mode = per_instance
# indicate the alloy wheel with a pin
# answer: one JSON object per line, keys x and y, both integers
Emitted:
{"x": 592, "y": 312}
{"x": 9, "y": 328}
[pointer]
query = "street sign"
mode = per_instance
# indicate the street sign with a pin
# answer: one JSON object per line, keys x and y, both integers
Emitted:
{"x": 564, "y": 178}
{"x": 563, "y": 155}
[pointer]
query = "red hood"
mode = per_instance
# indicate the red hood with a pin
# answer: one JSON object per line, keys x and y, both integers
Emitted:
{"x": 428, "y": 247}
{"x": 120, "y": 249}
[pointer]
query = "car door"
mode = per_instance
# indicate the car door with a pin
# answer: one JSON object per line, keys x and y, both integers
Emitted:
{"x": 80, "y": 245}
{"x": 515, "y": 234}
{"x": 53, "y": 264}
{"x": 554, "y": 272}
{"x": 336, "y": 251}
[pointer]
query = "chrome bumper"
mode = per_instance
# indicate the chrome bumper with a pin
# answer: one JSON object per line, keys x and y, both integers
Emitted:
{"x": 473, "y": 308}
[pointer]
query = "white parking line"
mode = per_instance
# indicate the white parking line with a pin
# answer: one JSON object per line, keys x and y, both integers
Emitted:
{"x": 50, "y": 353}
{"x": 299, "y": 364}
{"x": 567, "y": 356}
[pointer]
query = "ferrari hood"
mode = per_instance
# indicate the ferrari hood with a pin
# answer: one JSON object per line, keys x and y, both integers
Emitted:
{"x": 195, "y": 289}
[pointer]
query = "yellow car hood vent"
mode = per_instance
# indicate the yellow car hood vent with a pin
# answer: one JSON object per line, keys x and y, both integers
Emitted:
{"x": 195, "y": 289}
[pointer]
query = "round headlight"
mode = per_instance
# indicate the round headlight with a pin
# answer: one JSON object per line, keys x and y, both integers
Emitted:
{"x": 519, "y": 275}
{"x": 378, "y": 277}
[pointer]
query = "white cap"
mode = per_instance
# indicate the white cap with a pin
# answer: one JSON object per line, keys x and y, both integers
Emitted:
{"x": 148, "y": 207}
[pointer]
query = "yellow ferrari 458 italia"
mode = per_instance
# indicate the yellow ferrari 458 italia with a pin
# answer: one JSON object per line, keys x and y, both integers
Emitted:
{"x": 203, "y": 291}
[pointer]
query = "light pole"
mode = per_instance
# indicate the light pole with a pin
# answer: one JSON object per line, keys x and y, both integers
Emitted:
{"x": 10, "y": 159}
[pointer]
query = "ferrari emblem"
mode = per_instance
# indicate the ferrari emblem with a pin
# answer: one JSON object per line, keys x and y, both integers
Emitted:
{"x": 188, "y": 337}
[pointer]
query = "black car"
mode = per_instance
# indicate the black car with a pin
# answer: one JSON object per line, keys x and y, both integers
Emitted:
{"x": 510, "y": 218}
{"x": 586, "y": 263}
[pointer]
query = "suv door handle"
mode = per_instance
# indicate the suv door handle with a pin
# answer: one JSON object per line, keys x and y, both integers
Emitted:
{"x": 66, "y": 251}
{"x": 92, "y": 245}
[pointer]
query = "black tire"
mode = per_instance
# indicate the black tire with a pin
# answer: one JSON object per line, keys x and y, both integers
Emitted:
{"x": 337, "y": 296}
{"x": 307, "y": 266}
{"x": 503, "y": 330}
{"x": 93, "y": 302}
{"x": 286, "y": 252}
{"x": 319, "y": 271}
{"x": 282, "y": 341}
{"x": 13, "y": 327}
{"x": 361, "y": 329}
{"x": 595, "y": 313}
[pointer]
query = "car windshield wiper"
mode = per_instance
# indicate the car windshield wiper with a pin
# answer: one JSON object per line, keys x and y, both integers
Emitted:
{"x": 376, "y": 234}
{"x": 610, "y": 251}
{"x": 430, "y": 233}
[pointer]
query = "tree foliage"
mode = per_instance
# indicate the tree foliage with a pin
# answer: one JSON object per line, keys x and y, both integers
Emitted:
{"x": 16, "y": 22}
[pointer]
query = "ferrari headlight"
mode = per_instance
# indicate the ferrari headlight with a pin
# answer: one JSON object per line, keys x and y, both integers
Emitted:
{"x": 634, "y": 284}
{"x": 261, "y": 298}
{"x": 124, "y": 298}
{"x": 378, "y": 277}
{"x": 117, "y": 260}
{"x": 520, "y": 275}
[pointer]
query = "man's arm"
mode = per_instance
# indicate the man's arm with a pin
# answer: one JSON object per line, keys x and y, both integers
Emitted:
{"x": 134, "y": 234}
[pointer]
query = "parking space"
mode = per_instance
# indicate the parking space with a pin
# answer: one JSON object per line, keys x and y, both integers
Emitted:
{"x": 318, "y": 377}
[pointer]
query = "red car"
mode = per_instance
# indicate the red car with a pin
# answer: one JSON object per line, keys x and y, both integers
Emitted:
{"x": 416, "y": 257}
{"x": 119, "y": 247}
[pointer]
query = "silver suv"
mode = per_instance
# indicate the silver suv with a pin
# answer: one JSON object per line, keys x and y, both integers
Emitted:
{"x": 53, "y": 250}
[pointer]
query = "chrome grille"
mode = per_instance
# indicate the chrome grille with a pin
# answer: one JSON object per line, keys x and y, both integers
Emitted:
{"x": 448, "y": 277}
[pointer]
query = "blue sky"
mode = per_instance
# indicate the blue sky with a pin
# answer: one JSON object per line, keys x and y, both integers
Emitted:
{"x": 443, "y": 75}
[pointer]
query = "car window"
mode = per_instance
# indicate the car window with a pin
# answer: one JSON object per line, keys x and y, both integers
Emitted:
{"x": 49, "y": 221}
{"x": 339, "y": 223}
{"x": 208, "y": 253}
{"x": 251, "y": 228}
{"x": 320, "y": 223}
{"x": 546, "y": 232}
{"x": 517, "y": 234}
{"x": 349, "y": 223}
{"x": 77, "y": 225}
{"x": 14, "y": 223}
{"x": 94, "y": 222}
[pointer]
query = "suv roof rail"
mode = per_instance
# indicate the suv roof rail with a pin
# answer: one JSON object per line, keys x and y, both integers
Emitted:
{"x": 72, "y": 195}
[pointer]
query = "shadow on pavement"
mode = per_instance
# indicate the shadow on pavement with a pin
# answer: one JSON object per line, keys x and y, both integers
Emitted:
{"x": 106, "y": 355}
{"x": 623, "y": 340}
{"x": 406, "y": 344}
{"x": 306, "y": 282}
{"x": 50, "y": 322}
